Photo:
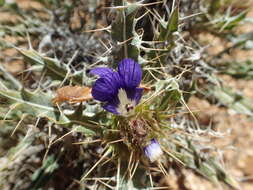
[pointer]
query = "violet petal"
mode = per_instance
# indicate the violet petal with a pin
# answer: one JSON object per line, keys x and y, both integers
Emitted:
{"x": 112, "y": 106}
{"x": 101, "y": 71}
{"x": 130, "y": 72}
{"x": 135, "y": 94}
{"x": 106, "y": 87}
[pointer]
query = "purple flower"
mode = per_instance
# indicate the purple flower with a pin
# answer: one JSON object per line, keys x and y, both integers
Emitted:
{"x": 153, "y": 151}
{"x": 118, "y": 89}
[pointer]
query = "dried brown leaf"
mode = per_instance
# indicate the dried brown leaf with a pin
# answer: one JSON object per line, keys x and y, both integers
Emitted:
{"x": 72, "y": 94}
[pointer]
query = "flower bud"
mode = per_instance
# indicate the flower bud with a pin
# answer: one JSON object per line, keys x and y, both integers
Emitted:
{"x": 153, "y": 151}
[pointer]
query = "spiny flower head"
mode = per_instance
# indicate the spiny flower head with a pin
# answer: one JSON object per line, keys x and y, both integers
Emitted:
{"x": 153, "y": 151}
{"x": 119, "y": 89}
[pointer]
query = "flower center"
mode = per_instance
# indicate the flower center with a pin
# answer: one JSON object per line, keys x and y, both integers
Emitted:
{"x": 126, "y": 106}
{"x": 129, "y": 107}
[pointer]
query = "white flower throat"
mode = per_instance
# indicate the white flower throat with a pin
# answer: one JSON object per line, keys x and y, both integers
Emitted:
{"x": 126, "y": 106}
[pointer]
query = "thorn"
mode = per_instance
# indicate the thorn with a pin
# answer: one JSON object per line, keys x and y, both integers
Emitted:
{"x": 99, "y": 29}
{"x": 68, "y": 133}
{"x": 29, "y": 40}
{"x": 88, "y": 142}
{"x": 136, "y": 4}
{"x": 102, "y": 158}
{"x": 20, "y": 121}
{"x": 118, "y": 174}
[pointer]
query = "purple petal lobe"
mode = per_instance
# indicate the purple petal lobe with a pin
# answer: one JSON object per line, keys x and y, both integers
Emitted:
{"x": 138, "y": 95}
{"x": 106, "y": 87}
{"x": 101, "y": 71}
{"x": 135, "y": 94}
{"x": 130, "y": 72}
{"x": 112, "y": 106}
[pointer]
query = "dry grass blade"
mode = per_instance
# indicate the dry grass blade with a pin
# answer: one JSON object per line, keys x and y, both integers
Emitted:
{"x": 97, "y": 163}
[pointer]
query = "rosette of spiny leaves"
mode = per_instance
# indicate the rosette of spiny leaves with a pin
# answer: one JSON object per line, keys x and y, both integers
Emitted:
{"x": 149, "y": 132}
{"x": 140, "y": 130}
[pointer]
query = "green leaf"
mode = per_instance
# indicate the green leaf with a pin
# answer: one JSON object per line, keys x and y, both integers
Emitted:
{"x": 42, "y": 175}
{"x": 239, "y": 69}
{"x": 122, "y": 26}
{"x": 139, "y": 181}
{"x": 204, "y": 164}
{"x": 53, "y": 67}
{"x": 222, "y": 175}
{"x": 229, "y": 22}
{"x": 234, "y": 101}
{"x": 87, "y": 132}
{"x": 86, "y": 124}
{"x": 171, "y": 95}
{"x": 37, "y": 104}
{"x": 214, "y": 6}
{"x": 117, "y": 2}
{"x": 241, "y": 39}
{"x": 173, "y": 21}
{"x": 171, "y": 25}
{"x": 2, "y": 2}
{"x": 17, "y": 151}
{"x": 12, "y": 81}
{"x": 123, "y": 29}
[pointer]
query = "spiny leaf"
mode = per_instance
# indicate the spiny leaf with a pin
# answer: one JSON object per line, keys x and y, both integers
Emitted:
{"x": 139, "y": 181}
{"x": 86, "y": 124}
{"x": 2, "y": 2}
{"x": 234, "y": 101}
{"x": 122, "y": 30}
{"x": 173, "y": 21}
{"x": 37, "y": 104}
{"x": 13, "y": 82}
{"x": 53, "y": 67}
{"x": 42, "y": 175}
{"x": 171, "y": 95}
{"x": 86, "y": 131}
{"x": 17, "y": 151}
{"x": 171, "y": 26}
{"x": 241, "y": 39}
{"x": 214, "y": 6}
{"x": 203, "y": 164}
{"x": 229, "y": 22}
{"x": 222, "y": 175}
{"x": 239, "y": 69}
